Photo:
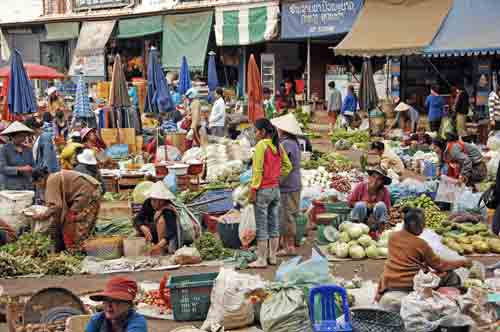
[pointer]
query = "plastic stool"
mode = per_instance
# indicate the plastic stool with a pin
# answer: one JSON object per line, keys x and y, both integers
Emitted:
{"x": 328, "y": 322}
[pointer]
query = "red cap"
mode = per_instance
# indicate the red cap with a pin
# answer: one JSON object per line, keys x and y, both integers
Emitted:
{"x": 117, "y": 288}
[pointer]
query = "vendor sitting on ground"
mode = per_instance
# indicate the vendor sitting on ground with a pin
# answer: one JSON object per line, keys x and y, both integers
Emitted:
{"x": 73, "y": 200}
{"x": 157, "y": 220}
{"x": 371, "y": 200}
{"x": 408, "y": 254}
{"x": 119, "y": 313}
{"x": 464, "y": 161}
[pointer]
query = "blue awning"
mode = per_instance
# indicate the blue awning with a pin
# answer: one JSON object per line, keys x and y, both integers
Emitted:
{"x": 469, "y": 29}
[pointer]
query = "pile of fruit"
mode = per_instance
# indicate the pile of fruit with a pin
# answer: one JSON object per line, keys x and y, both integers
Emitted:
{"x": 154, "y": 298}
{"x": 433, "y": 215}
{"x": 352, "y": 241}
{"x": 468, "y": 238}
{"x": 340, "y": 183}
{"x": 396, "y": 215}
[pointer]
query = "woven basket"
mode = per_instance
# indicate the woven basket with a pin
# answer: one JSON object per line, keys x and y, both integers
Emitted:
{"x": 105, "y": 248}
{"x": 374, "y": 320}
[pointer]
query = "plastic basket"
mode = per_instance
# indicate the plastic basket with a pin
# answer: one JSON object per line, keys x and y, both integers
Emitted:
{"x": 341, "y": 209}
{"x": 190, "y": 295}
{"x": 375, "y": 320}
{"x": 301, "y": 223}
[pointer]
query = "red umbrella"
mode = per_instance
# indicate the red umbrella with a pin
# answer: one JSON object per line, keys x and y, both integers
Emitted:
{"x": 254, "y": 92}
{"x": 35, "y": 71}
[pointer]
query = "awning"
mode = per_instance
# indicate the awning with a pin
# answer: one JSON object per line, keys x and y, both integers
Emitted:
{"x": 394, "y": 28}
{"x": 246, "y": 24}
{"x": 186, "y": 35}
{"x": 93, "y": 37}
{"x": 62, "y": 31}
{"x": 318, "y": 18}
{"x": 139, "y": 27}
{"x": 468, "y": 30}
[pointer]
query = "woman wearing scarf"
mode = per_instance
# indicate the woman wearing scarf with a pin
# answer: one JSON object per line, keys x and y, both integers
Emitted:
{"x": 119, "y": 313}
{"x": 91, "y": 140}
{"x": 270, "y": 162}
{"x": 290, "y": 186}
{"x": 73, "y": 200}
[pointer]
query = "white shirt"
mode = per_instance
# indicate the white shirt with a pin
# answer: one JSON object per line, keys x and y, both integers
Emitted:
{"x": 218, "y": 115}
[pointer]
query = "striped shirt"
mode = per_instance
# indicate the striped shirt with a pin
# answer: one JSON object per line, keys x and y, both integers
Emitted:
{"x": 494, "y": 106}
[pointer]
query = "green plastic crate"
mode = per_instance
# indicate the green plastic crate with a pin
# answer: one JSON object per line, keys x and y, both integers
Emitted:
{"x": 341, "y": 209}
{"x": 301, "y": 223}
{"x": 190, "y": 295}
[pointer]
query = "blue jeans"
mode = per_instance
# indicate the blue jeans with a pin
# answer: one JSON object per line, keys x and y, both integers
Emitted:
{"x": 360, "y": 212}
{"x": 267, "y": 216}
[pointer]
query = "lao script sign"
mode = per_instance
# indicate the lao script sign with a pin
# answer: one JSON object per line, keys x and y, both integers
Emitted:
{"x": 315, "y": 18}
{"x": 96, "y": 4}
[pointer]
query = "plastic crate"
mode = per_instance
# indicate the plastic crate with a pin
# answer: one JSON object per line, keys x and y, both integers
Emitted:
{"x": 341, "y": 209}
{"x": 190, "y": 295}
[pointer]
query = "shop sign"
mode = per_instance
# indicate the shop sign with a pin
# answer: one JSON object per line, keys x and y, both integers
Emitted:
{"x": 315, "y": 18}
{"x": 91, "y": 65}
{"x": 97, "y": 4}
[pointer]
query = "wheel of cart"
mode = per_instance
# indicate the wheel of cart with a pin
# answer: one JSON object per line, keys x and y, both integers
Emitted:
{"x": 325, "y": 297}
{"x": 376, "y": 320}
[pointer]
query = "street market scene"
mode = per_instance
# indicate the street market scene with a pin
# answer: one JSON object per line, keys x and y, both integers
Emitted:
{"x": 249, "y": 166}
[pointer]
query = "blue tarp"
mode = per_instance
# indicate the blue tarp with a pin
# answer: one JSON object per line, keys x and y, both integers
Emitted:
{"x": 469, "y": 29}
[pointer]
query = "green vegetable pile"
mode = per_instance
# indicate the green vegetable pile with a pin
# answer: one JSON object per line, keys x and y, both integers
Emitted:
{"x": 357, "y": 136}
{"x": 113, "y": 197}
{"x": 32, "y": 255}
{"x": 188, "y": 196}
{"x": 333, "y": 162}
{"x": 115, "y": 226}
{"x": 211, "y": 248}
{"x": 434, "y": 218}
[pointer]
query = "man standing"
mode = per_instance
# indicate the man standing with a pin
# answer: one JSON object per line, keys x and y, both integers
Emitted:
{"x": 334, "y": 104}
{"x": 494, "y": 108}
{"x": 195, "y": 113}
{"x": 217, "y": 117}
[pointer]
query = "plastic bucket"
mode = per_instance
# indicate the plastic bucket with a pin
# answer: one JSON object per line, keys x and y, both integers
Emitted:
{"x": 300, "y": 223}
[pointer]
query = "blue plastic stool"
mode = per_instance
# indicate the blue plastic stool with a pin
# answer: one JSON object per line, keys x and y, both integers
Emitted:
{"x": 328, "y": 322}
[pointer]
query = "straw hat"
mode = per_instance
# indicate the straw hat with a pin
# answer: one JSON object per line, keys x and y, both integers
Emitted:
{"x": 16, "y": 127}
{"x": 402, "y": 107}
{"x": 160, "y": 191}
{"x": 87, "y": 157}
{"x": 288, "y": 123}
{"x": 380, "y": 172}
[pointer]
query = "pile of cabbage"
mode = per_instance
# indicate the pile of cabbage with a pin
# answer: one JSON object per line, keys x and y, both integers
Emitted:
{"x": 317, "y": 177}
{"x": 352, "y": 241}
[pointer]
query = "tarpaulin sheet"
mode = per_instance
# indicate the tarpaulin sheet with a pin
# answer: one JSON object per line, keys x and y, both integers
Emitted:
{"x": 62, "y": 31}
{"x": 468, "y": 30}
{"x": 186, "y": 35}
{"x": 394, "y": 27}
{"x": 138, "y": 27}
{"x": 93, "y": 37}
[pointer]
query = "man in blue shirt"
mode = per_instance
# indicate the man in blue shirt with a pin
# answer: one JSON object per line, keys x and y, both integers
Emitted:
{"x": 434, "y": 105}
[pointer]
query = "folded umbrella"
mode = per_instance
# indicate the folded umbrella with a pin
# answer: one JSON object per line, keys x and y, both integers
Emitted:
{"x": 158, "y": 98}
{"x": 184, "y": 83}
{"x": 254, "y": 92}
{"x": 21, "y": 96}
{"x": 213, "y": 81}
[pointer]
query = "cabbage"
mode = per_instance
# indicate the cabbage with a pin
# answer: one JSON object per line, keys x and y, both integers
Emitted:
{"x": 141, "y": 192}
{"x": 372, "y": 252}
{"x": 355, "y": 231}
{"x": 357, "y": 252}
{"x": 345, "y": 225}
{"x": 332, "y": 248}
{"x": 365, "y": 227}
{"x": 330, "y": 233}
{"x": 365, "y": 241}
{"x": 385, "y": 235}
{"x": 344, "y": 237}
{"x": 383, "y": 252}
{"x": 382, "y": 243}
{"x": 353, "y": 243}
{"x": 342, "y": 250}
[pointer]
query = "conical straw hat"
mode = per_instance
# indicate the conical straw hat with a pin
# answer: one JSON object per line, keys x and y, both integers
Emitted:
{"x": 288, "y": 123}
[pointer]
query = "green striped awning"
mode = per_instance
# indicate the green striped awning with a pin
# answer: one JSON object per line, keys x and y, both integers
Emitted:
{"x": 139, "y": 27}
{"x": 62, "y": 31}
{"x": 245, "y": 25}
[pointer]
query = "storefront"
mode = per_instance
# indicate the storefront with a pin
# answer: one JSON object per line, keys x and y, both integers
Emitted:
{"x": 59, "y": 44}
{"x": 315, "y": 26}
{"x": 243, "y": 30}
{"x": 26, "y": 40}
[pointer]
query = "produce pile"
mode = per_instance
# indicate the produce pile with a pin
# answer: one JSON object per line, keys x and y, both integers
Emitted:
{"x": 396, "y": 215}
{"x": 352, "y": 241}
{"x": 113, "y": 197}
{"x": 211, "y": 248}
{"x": 332, "y": 162}
{"x": 353, "y": 137}
{"x": 154, "y": 298}
{"x": 434, "y": 218}
{"x": 340, "y": 183}
{"x": 115, "y": 226}
{"x": 468, "y": 238}
{"x": 32, "y": 254}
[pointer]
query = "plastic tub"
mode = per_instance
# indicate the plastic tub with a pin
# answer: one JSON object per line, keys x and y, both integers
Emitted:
{"x": 178, "y": 169}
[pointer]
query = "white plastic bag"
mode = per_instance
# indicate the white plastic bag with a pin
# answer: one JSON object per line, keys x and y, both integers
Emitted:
{"x": 447, "y": 190}
{"x": 466, "y": 201}
{"x": 423, "y": 311}
{"x": 248, "y": 229}
{"x": 434, "y": 241}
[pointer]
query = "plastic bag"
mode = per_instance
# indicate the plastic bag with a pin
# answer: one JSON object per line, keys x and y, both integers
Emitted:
{"x": 246, "y": 177}
{"x": 424, "y": 310}
{"x": 248, "y": 228}
{"x": 190, "y": 228}
{"x": 466, "y": 201}
{"x": 492, "y": 165}
{"x": 229, "y": 305}
{"x": 494, "y": 142}
{"x": 285, "y": 311}
{"x": 434, "y": 241}
{"x": 312, "y": 271}
{"x": 475, "y": 305}
{"x": 171, "y": 182}
{"x": 187, "y": 255}
{"x": 447, "y": 190}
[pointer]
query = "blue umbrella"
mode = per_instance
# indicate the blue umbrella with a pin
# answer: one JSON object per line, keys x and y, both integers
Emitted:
{"x": 82, "y": 103}
{"x": 21, "y": 97}
{"x": 158, "y": 98}
{"x": 213, "y": 81}
{"x": 184, "y": 78}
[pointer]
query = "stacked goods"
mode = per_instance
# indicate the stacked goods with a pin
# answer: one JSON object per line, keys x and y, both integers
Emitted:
{"x": 340, "y": 183}
{"x": 468, "y": 238}
{"x": 396, "y": 215}
{"x": 353, "y": 241}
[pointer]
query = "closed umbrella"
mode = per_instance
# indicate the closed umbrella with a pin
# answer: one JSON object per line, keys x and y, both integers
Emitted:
{"x": 118, "y": 95}
{"x": 213, "y": 81}
{"x": 368, "y": 99}
{"x": 82, "y": 108}
{"x": 184, "y": 78}
{"x": 21, "y": 97}
{"x": 158, "y": 98}
{"x": 254, "y": 92}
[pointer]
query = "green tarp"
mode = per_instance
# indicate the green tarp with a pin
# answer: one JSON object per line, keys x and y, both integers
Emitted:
{"x": 186, "y": 35}
{"x": 62, "y": 31}
{"x": 139, "y": 27}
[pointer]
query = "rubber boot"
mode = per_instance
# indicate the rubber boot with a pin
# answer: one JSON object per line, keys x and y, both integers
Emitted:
{"x": 274, "y": 244}
{"x": 261, "y": 261}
